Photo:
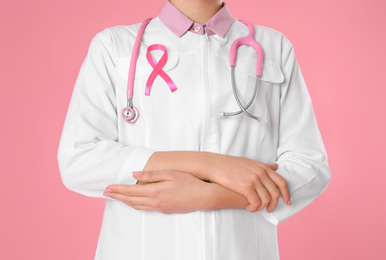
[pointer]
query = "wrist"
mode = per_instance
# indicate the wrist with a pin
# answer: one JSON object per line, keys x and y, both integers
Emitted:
{"x": 220, "y": 197}
{"x": 208, "y": 197}
{"x": 205, "y": 168}
{"x": 210, "y": 165}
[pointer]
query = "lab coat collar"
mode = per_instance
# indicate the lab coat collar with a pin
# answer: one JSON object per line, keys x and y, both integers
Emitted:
{"x": 179, "y": 23}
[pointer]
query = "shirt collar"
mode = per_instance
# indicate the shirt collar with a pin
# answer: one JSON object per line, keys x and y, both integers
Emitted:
{"x": 179, "y": 23}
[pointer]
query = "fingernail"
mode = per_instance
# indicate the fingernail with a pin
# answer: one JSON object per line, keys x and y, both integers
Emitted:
{"x": 289, "y": 202}
{"x": 137, "y": 174}
{"x": 106, "y": 194}
{"x": 108, "y": 190}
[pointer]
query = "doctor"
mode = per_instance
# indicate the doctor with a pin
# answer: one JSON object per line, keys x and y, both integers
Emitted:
{"x": 182, "y": 182}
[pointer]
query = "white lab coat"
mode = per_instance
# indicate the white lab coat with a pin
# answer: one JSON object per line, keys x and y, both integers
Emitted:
{"x": 97, "y": 148}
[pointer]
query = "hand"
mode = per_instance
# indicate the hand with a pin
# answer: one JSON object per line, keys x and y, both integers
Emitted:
{"x": 255, "y": 180}
{"x": 165, "y": 191}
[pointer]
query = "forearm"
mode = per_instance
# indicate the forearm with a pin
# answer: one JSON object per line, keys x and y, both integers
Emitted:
{"x": 214, "y": 196}
{"x": 193, "y": 162}
{"x": 220, "y": 197}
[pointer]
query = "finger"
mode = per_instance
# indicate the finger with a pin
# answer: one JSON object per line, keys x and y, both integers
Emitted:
{"x": 282, "y": 185}
{"x": 141, "y": 207}
{"x": 270, "y": 185}
{"x": 273, "y": 166}
{"x": 131, "y": 201}
{"x": 131, "y": 190}
{"x": 142, "y": 183}
{"x": 264, "y": 195}
{"x": 254, "y": 200}
{"x": 153, "y": 176}
{"x": 274, "y": 193}
{"x": 138, "y": 201}
{"x": 251, "y": 193}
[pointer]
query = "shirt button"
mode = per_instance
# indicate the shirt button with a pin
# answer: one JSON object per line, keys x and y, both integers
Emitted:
{"x": 197, "y": 29}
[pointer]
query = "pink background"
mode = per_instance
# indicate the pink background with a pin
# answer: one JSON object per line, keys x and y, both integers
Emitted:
{"x": 340, "y": 46}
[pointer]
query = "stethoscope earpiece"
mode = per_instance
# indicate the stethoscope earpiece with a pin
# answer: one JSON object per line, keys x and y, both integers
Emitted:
{"x": 130, "y": 114}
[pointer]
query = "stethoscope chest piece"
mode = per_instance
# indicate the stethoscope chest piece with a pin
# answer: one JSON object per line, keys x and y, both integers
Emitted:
{"x": 130, "y": 114}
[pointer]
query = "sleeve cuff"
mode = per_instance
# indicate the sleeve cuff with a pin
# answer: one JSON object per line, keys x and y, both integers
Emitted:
{"x": 270, "y": 217}
{"x": 280, "y": 213}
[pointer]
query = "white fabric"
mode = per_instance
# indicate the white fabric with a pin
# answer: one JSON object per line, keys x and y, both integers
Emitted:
{"x": 97, "y": 148}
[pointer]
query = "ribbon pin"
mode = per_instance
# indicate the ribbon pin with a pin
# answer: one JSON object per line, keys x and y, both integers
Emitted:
{"x": 157, "y": 68}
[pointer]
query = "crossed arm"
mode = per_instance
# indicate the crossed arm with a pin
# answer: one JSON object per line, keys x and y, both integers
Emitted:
{"x": 172, "y": 182}
{"x": 91, "y": 158}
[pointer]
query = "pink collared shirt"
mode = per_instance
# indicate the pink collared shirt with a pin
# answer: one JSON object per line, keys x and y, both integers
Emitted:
{"x": 179, "y": 23}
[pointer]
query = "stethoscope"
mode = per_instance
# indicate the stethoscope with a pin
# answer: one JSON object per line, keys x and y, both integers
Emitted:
{"x": 130, "y": 113}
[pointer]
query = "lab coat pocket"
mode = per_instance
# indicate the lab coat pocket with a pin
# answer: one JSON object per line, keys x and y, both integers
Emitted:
{"x": 246, "y": 81}
{"x": 271, "y": 71}
{"x": 257, "y": 133}
{"x": 269, "y": 87}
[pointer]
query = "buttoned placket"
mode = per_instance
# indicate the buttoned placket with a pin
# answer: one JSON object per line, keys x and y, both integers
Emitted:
{"x": 204, "y": 139}
{"x": 205, "y": 76}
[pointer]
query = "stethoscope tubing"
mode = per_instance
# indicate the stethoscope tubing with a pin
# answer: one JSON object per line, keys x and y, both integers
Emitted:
{"x": 244, "y": 109}
{"x": 134, "y": 57}
{"x": 237, "y": 98}
{"x": 130, "y": 113}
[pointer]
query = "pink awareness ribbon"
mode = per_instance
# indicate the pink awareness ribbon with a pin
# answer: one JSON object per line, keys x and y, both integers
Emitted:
{"x": 157, "y": 68}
